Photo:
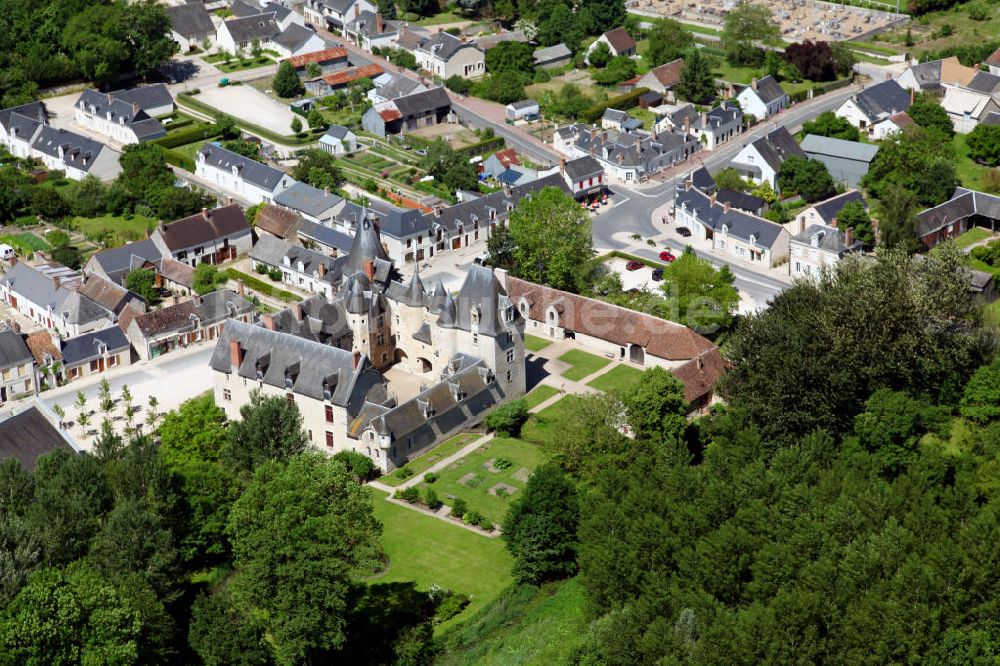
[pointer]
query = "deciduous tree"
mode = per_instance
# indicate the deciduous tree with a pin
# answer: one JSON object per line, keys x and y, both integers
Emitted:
{"x": 831, "y": 125}
{"x": 270, "y": 428}
{"x": 142, "y": 281}
{"x": 668, "y": 40}
{"x": 808, "y": 177}
{"x": 697, "y": 82}
{"x": 698, "y": 295}
{"x": 286, "y": 82}
{"x": 746, "y": 28}
{"x": 552, "y": 239}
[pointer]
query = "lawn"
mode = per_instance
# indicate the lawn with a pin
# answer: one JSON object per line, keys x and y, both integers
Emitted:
{"x": 525, "y": 625}
{"x": 430, "y": 551}
{"x": 991, "y": 315}
{"x": 926, "y": 31}
{"x": 972, "y": 236}
{"x": 422, "y": 462}
{"x": 535, "y": 343}
{"x": 236, "y": 65}
{"x": 25, "y": 243}
{"x": 538, "y": 395}
{"x": 584, "y": 364}
{"x": 540, "y": 427}
{"x": 970, "y": 174}
{"x": 618, "y": 379}
{"x": 190, "y": 150}
{"x": 439, "y": 19}
{"x": 121, "y": 230}
{"x": 471, "y": 477}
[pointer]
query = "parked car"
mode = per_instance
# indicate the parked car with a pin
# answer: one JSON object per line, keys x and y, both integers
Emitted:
{"x": 667, "y": 256}
{"x": 657, "y": 274}
{"x": 684, "y": 231}
{"x": 421, "y": 151}
{"x": 634, "y": 265}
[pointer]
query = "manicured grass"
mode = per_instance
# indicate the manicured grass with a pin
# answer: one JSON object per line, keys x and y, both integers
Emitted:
{"x": 438, "y": 19}
{"x": 535, "y": 343}
{"x": 122, "y": 230}
{"x": 237, "y": 65}
{"x": 525, "y": 625}
{"x": 970, "y": 174}
{"x": 259, "y": 285}
{"x": 190, "y": 150}
{"x": 538, "y": 395}
{"x": 540, "y": 428}
{"x": 471, "y": 479}
{"x": 25, "y": 242}
{"x": 584, "y": 364}
{"x": 430, "y": 551}
{"x": 796, "y": 87}
{"x": 972, "y": 236}
{"x": 419, "y": 464}
{"x": 618, "y": 379}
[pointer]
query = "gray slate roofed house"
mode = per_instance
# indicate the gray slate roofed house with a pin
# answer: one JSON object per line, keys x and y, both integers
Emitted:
{"x": 147, "y": 97}
{"x": 33, "y": 110}
{"x": 249, "y": 28}
{"x": 615, "y": 116}
{"x": 22, "y": 126}
{"x": 444, "y": 45}
{"x": 741, "y": 200}
{"x": 307, "y": 199}
{"x": 324, "y": 235}
{"x": 294, "y": 37}
{"x": 242, "y": 9}
{"x": 852, "y": 150}
{"x": 337, "y": 131}
{"x": 204, "y": 227}
{"x": 582, "y": 168}
{"x": 551, "y": 53}
{"x": 991, "y": 118}
{"x": 739, "y": 224}
{"x": 88, "y": 346}
{"x": 927, "y": 74}
{"x": 494, "y": 203}
{"x": 106, "y": 293}
{"x": 249, "y": 170}
{"x": 190, "y": 19}
{"x": 29, "y": 435}
{"x": 769, "y": 90}
{"x": 523, "y": 104}
{"x": 721, "y": 115}
{"x": 308, "y": 368}
{"x": 827, "y": 238}
{"x": 883, "y": 99}
{"x": 984, "y": 82}
{"x": 76, "y": 308}
{"x": 117, "y": 261}
{"x": 398, "y": 86}
{"x": 41, "y": 290}
{"x": 273, "y": 251}
{"x": 963, "y": 203}
{"x": 423, "y": 102}
{"x": 103, "y": 103}
{"x": 13, "y": 350}
{"x": 78, "y": 152}
{"x": 830, "y": 209}
{"x": 778, "y": 146}
{"x": 703, "y": 180}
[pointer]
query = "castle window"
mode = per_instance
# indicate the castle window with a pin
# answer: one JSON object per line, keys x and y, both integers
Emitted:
{"x": 508, "y": 376}
{"x": 227, "y": 395}
{"x": 329, "y": 439}
{"x": 329, "y": 414}
{"x": 510, "y": 355}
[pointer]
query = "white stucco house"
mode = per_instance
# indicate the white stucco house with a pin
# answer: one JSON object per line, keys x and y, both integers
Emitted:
{"x": 875, "y": 104}
{"x": 761, "y": 160}
{"x": 338, "y": 140}
{"x": 763, "y": 98}
{"x": 244, "y": 177}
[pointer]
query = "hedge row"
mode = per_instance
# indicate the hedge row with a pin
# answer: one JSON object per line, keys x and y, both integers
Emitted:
{"x": 622, "y": 103}
{"x": 176, "y": 159}
{"x": 483, "y": 147}
{"x": 261, "y": 286}
{"x": 191, "y": 135}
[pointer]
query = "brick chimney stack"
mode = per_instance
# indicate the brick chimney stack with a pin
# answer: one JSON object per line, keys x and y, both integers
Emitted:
{"x": 849, "y": 236}
{"x": 753, "y": 83}
{"x": 369, "y": 268}
{"x": 356, "y": 360}
{"x": 235, "y": 354}
{"x": 297, "y": 311}
{"x": 268, "y": 320}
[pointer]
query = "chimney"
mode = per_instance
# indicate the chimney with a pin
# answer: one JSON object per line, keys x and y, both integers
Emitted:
{"x": 562, "y": 165}
{"x": 704, "y": 119}
{"x": 176, "y": 299}
{"x": 893, "y": 112}
{"x": 379, "y": 25}
{"x": 725, "y": 207}
{"x": 687, "y": 124}
{"x": 268, "y": 321}
{"x": 235, "y": 354}
{"x": 356, "y": 360}
{"x": 326, "y": 190}
{"x": 833, "y": 223}
{"x": 14, "y": 326}
{"x": 297, "y": 311}
{"x": 687, "y": 185}
{"x": 849, "y": 236}
{"x": 369, "y": 268}
{"x": 108, "y": 96}
{"x": 135, "y": 109}
{"x": 913, "y": 96}
{"x": 712, "y": 199}
{"x": 322, "y": 269}
{"x": 753, "y": 83}
{"x": 204, "y": 213}
{"x": 55, "y": 281}
{"x": 437, "y": 211}
{"x": 357, "y": 10}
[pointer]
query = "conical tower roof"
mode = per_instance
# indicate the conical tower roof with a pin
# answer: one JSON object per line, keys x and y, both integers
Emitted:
{"x": 415, "y": 292}
{"x": 437, "y": 297}
{"x": 355, "y": 299}
{"x": 367, "y": 246}
{"x": 447, "y": 318}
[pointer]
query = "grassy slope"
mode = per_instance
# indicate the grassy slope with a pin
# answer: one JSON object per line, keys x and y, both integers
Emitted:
{"x": 539, "y": 394}
{"x": 430, "y": 551}
{"x": 526, "y": 625}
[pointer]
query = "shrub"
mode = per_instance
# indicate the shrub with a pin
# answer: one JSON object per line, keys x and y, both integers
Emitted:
{"x": 450, "y": 605}
{"x": 458, "y": 507}
{"x": 507, "y": 419}
{"x": 501, "y": 463}
{"x": 404, "y": 472}
{"x": 621, "y": 102}
{"x": 502, "y": 492}
{"x": 261, "y": 269}
{"x": 472, "y": 517}
{"x": 485, "y": 524}
{"x": 361, "y": 466}
{"x": 274, "y": 274}
{"x": 430, "y": 477}
{"x": 410, "y": 495}
{"x": 431, "y": 499}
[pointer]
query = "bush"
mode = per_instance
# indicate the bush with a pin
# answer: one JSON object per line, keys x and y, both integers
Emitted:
{"x": 198, "y": 133}
{"x": 501, "y": 463}
{"x": 274, "y": 274}
{"x": 449, "y": 606}
{"x": 472, "y": 517}
{"x": 507, "y": 419}
{"x": 430, "y": 477}
{"x": 621, "y": 102}
{"x": 485, "y": 523}
{"x": 404, "y": 472}
{"x": 361, "y": 466}
{"x": 459, "y": 507}
{"x": 457, "y": 84}
{"x": 410, "y": 495}
{"x": 261, "y": 269}
{"x": 431, "y": 499}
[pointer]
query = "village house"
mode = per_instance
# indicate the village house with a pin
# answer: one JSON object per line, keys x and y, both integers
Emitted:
{"x": 551, "y": 57}
{"x": 629, "y": 157}
{"x": 817, "y": 240}
{"x": 662, "y": 79}
{"x": 17, "y": 367}
{"x": 499, "y": 162}
{"x": 411, "y": 112}
{"x": 121, "y": 121}
{"x": 302, "y": 268}
{"x": 967, "y": 108}
{"x": 339, "y": 79}
{"x": 445, "y": 55}
{"x": 389, "y": 86}
{"x": 244, "y": 177}
{"x": 338, "y": 140}
{"x": 95, "y": 352}
{"x": 930, "y": 76}
{"x": 763, "y": 98}
{"x": 738, "y": 233}
{"x": 276, "y": 221}
{"x": 185, "y": 323}
{"x": 30, "y": 432}
{"x": 621, "y": 334}
{"x": 868, "y": 108}
{"x": 526, "y": 109}
{"x": 328, "y": 60}
{"x": 370, "y": 31}
{"x": 405, "y": 233}
{"x": 238, "y": 35}
{"x": 619, "y": 120}
{"x": 284, "y": 16}
{"x": 209, "y": 237}
{"x": 335, "y": 14}
{"x": 966, "y": 209}
{"x": 619, "y": 42}
{"x": 312, "y": 203}
{"x": 47, "y": 294}
{"x": 191, "y": 26}
{"x": 846, "y": 161}
{"x": 712, "y": 128}
{"x": 273, "y": 27}
{"x": 109, "y": 295}
{"x": 894, "y": 123}
{"x": 760, "y": 161}
{"x": 114, "y": 263}
{"x": 297, "y": 40}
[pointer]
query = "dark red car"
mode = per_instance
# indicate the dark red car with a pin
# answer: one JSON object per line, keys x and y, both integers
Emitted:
{"x": 634, "y": 265}
{"x": 667, "y": 256}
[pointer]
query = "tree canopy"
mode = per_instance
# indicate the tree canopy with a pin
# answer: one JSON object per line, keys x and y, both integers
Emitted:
{"x": 919, "y": 159}
{"x": 698, "y": 295}
{"x": 668, "y": 40}
{"x": 697, "y": 82}
{"x": 930, "y": 114}
{"x": 807, "y": 177}
{"x": 552, "y": 239}
{"x": 747, "y": 27}
{"x": 831, "y": 125}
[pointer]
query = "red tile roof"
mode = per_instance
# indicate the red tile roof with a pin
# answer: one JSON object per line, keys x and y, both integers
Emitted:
{"x": 390, "y": 114}
{"x": 276, "y": 221}
{"x": 620, "y": 40}
{"x": 700, "y": 374}
{"x": 508, "y": 157}
{"x": 901, "y": 119}
{"x": 325, "y": 55}
{"x": 345, "y": 76}
{"x": 40, "y": 343}
{"x": 669, "y": 74}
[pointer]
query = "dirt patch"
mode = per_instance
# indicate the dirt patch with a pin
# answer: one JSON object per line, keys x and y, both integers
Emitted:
{"x": 503, "y": 489}
{"x": 490, "y": 466}
{"x": 521, "y": 475}
{"x": 472, "y": 479}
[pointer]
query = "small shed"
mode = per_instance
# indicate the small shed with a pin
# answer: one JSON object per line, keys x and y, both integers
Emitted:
{"x": 525, "y": 109}
{"x": 651, "y": 98}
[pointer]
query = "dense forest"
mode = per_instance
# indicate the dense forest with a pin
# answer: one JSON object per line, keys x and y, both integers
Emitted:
{"x": 49, "y": 42}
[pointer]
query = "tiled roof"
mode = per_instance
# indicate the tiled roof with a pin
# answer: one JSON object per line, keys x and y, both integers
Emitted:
{"x": 104, "y": 292}
{"x": 40, "y": 344}
{"x": 669, "y": 74}
{"x": 205, "y": 227}
{"x": 277, "y": 220}
{"x": 388, "y": 115}
{"x": 325, "y": 55}
{"x": 699, "y": 375}
{"x": 209, "y": 308}
{"x": 176, "y": 272}
{"x": 659, "y": 337}
{"x": 620, "y": 40}
{"x": 345, "y": 76}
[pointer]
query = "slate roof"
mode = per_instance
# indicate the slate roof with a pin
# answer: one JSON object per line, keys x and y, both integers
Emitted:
{"x": 324, "y": 235}
{"x": 397, "y": 86}
{"x": 249, "y": 170}
{"x": 273, "y": 251}
{"x": 994, "y": 58}
{"x": 283, "y": 360}
{"x": 739, "y": 224}
{"x": 277, "y": 220}
{"x": 337, "y": 132}
{"x": 79, "y": 152}
{"x": 294, "y": 37}
{"x": 204, "y": 228}
{"x": 423, "y": 102}
{"x": 620, "y": 40}
{"x": 489, "y": 41}
{"x": 582, "y": 168}
{"x": 190, "y": 19}
{"x": 830, "y": 209}
{"x": 29, "y": 435}
{"x": 991, "y": 118}
{"x": 963, "y": 203}
{"x": 661, "y": 338}
{"x": 523, "y": 104}
{"x": 249, "y": 28}
{"x": 478, "y": 210}
{"x": 769, "y": 90}
{"x": 13, "y": 350}
{"x": 83, "y": 348}
{"x": 40, "y": 289}
{"x": 883, "y": 99}
{"x": 851, "y": 150}
{"x": 614, "y": 115}
{"x": 307, "y": 199}
{"x": 443, "y": 45}
{"x": 147, "y": 97}
{"x": 392, "y": 220}
{"x": 118, "y": 260}
{"x": 702, "y": 179}
{"x": 927, "y": 74}
{"x": 551, "y": 53}
{"x": 32, "y": 110}
{"x": 984, "y": 82}
{"x": 740, "y": 200}
{"x": 827, "y": 238}
{"x": 777, "y": 146}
